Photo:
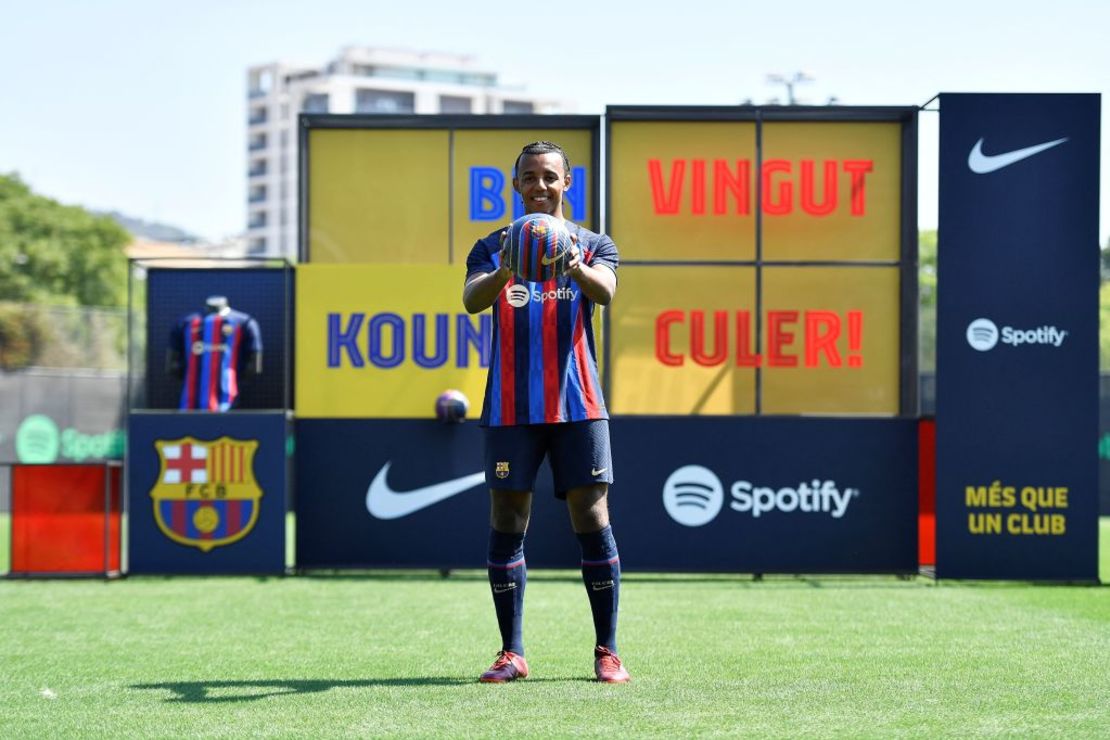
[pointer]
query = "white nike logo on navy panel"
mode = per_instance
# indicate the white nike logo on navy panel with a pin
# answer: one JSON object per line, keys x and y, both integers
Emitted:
{"x": 384, "y": 503}
{"x": 981, "y": 164}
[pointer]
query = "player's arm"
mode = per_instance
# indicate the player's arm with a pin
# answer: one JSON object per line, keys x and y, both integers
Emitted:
{"x": 482, "y": 289}
{"x": 598, "y": 283}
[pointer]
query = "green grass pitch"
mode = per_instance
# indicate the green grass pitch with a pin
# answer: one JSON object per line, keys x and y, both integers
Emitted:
{"x": 398, "y": 653}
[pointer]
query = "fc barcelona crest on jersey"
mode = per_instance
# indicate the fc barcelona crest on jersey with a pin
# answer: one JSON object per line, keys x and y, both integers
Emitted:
{"x": 206, "y": 495}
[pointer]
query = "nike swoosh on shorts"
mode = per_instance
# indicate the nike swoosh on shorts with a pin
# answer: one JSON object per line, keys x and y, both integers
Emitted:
{"x": 384, "y": 503}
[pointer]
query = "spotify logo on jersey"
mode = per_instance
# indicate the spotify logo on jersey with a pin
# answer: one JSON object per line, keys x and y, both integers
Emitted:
{"x": 693, "y": 495}
{"x": 982, "y": 334}
{"x": 518, "y": 295}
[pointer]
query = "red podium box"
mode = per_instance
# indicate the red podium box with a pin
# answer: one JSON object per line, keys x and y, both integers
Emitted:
{"x": 66, "y": 519}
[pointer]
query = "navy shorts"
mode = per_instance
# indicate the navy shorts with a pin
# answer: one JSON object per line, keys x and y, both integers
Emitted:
{"x": 577, "y": 451}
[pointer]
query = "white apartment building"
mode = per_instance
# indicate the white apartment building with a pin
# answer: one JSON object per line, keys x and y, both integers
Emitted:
{"x": 359, "y": 80}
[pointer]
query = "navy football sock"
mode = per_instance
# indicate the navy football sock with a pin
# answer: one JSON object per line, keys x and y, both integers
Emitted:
{"x": 601, "y": 572}
{"x": 507, "y": 577}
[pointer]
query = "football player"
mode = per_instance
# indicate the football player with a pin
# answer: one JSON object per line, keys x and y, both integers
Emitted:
{"x": 543, "y": 399}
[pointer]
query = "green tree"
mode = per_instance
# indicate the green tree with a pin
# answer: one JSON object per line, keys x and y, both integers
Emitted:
{"x": 927, "y": 299}
{"x": 56, "y": 254}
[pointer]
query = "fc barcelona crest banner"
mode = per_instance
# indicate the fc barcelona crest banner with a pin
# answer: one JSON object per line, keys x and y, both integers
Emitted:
{"x": 207, "y": 493}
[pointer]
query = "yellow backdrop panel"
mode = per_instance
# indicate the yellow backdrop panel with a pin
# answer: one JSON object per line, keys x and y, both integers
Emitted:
{"x": 682, "y": 191}
{"x": 831, "y": 191}
{"x": 482, "y": 196}
{"x": 378, "y": 195}
{"x": 830, "y": 340}
{"x": 384, "y": 340}
{"x": 661, "y": 362}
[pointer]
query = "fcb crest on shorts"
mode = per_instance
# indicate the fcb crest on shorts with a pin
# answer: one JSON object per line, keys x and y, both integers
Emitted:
{"x": 206, "y": 495}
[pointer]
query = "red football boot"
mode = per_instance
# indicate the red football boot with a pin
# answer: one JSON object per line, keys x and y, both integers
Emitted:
{"x": 608, "y": 666}
{"x": 508, "y": 667}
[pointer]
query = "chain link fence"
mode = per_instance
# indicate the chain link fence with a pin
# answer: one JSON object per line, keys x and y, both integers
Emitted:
{"x": 62, "y": 337}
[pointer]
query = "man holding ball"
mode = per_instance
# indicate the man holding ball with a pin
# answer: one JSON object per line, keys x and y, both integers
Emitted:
{"x": 543, "y": 399}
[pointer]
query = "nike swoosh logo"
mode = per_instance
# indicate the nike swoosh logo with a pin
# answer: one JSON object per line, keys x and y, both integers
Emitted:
{"x": 981, "y": 164}
{"x": 601, "y": 586}
{"x": 501, "y": 589}
{"x": 597, "y": 472}
{"x": 384, "y": 503}
{"x": 551, "y": 260}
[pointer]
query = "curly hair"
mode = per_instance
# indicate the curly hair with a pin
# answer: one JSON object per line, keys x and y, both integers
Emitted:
{"x": 542, "y": 147}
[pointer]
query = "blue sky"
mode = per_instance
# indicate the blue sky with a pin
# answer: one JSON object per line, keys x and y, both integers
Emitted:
{"x": 140, "y": 106}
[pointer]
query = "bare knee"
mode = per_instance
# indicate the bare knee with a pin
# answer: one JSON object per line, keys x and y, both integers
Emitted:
{"x": 589, "y": 508}
{"x": 509, "y": 511}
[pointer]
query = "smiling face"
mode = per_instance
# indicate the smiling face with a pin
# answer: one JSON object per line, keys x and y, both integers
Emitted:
{"x": 541, "y": 180}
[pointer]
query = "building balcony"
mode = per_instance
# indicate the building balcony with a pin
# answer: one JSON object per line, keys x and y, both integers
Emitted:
{"x": 256, "y": 145}
{"x": 257, "y": 117}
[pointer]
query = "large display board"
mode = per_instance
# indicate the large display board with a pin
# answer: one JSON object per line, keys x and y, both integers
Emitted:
{"x": 1017, "y": 337}
{"x": 769, "y": 261}
{"x": 767, "y": 267}
{"x": 423, "y": 189}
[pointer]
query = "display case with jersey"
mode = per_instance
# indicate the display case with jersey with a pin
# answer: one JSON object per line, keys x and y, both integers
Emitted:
{"x": 211, "y": 351}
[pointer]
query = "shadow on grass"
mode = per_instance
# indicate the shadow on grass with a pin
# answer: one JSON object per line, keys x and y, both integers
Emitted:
{"x": 235, "y": 691}
{"x": 194, "y": 692}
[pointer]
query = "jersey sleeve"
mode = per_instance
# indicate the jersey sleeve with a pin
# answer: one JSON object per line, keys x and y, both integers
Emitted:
{"x": 604, "y": 253}
{"x": 480, "y": 259}
{"x": 252, "y": 337}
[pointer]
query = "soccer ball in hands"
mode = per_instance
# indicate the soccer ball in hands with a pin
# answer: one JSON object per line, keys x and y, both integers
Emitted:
{"x": 538, "y": 247}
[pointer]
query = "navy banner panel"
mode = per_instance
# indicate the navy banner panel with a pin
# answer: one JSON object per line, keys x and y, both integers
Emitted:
{"x": 378, "y": 493}
{"x": 697, "y": 494}
{"x": 765, "y": 495}
{"x": 1017, "y": 337}
{"x": 206, "y": 492}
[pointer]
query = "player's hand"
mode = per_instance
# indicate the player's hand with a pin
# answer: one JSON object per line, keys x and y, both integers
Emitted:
{"x": 574, "y": 262}
{"x": 506, "y": 254}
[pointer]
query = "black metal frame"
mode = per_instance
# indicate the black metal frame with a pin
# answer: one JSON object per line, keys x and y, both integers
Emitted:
{"x": 906, "y": 263}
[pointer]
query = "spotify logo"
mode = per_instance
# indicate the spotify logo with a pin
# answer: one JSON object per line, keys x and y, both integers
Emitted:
{"x": 982, "y": 334}
{"x": 693, "y": 495}
{"x": 37, "y": 440}
{"x": 518, "y": 295}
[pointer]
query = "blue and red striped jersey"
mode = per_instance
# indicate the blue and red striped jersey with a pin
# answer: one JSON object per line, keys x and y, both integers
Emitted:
{"x": 214, "y": 349}
{"x": 543, "y": 362}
